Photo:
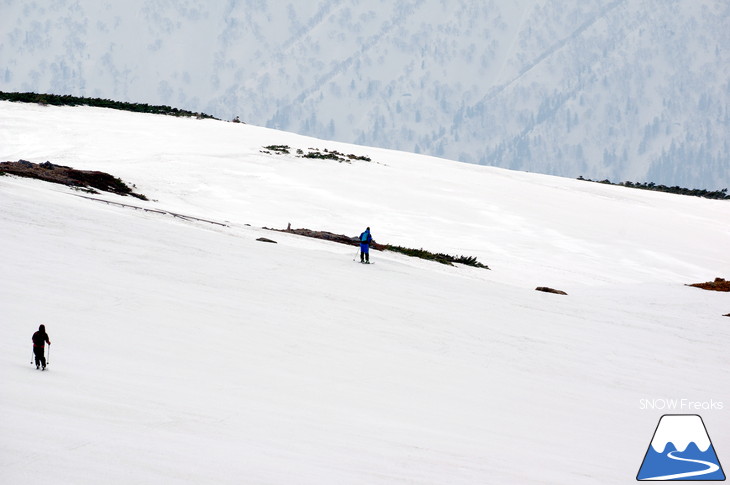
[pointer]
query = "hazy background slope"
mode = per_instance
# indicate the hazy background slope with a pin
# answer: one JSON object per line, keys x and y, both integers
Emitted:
{"x": 629, "y": 90}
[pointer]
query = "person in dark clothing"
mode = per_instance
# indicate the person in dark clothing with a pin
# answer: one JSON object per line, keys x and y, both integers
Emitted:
{"x": 39, "y": 341}
{"x": 365, "y": 240}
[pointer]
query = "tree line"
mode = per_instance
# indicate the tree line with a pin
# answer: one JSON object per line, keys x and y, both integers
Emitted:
{"x": 707, "y": 194}
{"x": 67, "y": 100}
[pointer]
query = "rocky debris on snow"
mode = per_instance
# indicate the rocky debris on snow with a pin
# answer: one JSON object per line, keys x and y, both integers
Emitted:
{"x": 550, "y": 290}
{"x": 726, "y": 315}
{"x": 719, "y": 284}
{"x": 327, "y": 236}
{"x": 416, "y": 253}
{"x": 87, "y": 180}
{"x": 263, "y": 239}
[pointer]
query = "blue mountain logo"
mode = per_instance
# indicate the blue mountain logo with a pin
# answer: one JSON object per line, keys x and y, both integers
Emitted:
{"x": 681, "y": 450}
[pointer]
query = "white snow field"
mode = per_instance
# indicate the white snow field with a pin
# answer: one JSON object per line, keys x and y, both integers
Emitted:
{"x": 187, "y": 353}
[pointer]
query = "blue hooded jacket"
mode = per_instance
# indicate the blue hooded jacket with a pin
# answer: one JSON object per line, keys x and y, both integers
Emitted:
{"x": 365, "y": 240}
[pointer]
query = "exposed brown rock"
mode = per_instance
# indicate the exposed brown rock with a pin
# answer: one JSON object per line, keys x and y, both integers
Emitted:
{"x": 550, "y": 290}
{"x": 327, "y": 236}
{"x": 718, "y": 285}
{"x": 61, "y": 174}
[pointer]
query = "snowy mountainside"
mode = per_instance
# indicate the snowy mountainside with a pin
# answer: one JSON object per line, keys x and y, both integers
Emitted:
{"x": 186, "y": 352}
{"x": 627, "y": 90}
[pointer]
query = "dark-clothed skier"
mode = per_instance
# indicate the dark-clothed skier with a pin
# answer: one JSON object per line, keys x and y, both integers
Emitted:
{"x": 365, "y": 240}
{"x": 39, "y": 341}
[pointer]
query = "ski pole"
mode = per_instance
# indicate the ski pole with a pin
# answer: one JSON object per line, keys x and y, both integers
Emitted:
{"x": 48, "y": 360}
{"x": 31, "y": 355}
{"x": 356, "y": 253}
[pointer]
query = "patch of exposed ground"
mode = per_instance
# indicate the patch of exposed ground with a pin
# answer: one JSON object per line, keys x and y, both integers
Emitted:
{"x": 87, "y": 180}
{"x": 719, "y": 284}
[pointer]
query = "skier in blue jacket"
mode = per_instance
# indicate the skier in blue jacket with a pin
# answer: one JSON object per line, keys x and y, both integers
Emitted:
{"x": 365, "y": 240}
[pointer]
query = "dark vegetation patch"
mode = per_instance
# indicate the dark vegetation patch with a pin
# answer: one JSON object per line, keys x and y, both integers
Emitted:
{"x": 85, "y": 180}
{"x": 438, "y": 257}
{"x": 277, "y": 149}
{"x": 718, "y": 285}
{"x": 315, "y": 153}
{"x": 65, "y": 100}
{"x": 416, "y": 253}
{"x": 707, "y": 194}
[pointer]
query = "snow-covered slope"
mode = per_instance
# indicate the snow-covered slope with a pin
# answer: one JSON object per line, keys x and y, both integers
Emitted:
{"x": 627, "y": 90}
{"x": 186, "y": 352}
